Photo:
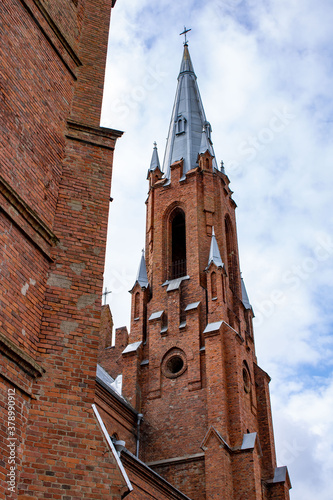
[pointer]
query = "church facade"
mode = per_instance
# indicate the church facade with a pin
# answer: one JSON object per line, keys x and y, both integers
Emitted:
{"x": 189, "y": 367}
{"x": 178, "y": 409}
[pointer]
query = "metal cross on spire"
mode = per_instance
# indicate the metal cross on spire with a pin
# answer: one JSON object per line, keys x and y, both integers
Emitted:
{"x": 184, "y": 33}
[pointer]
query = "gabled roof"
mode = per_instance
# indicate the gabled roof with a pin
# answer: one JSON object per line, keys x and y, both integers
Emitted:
{"x": 188, "y": 120}
{"x": 112, "y": 386}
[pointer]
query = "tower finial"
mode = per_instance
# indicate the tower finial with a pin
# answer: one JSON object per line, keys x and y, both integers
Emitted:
{"x": 184, "y": 33}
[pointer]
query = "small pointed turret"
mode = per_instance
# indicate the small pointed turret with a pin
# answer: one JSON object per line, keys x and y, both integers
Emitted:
{"x": 188, "y": 119}
{"x": 142, "y": 278}
{"x": 204, "y": 146}
{"x": 245, "y": 298}
{"x": 214, "y": 253}
{"x": 155, "y": 162}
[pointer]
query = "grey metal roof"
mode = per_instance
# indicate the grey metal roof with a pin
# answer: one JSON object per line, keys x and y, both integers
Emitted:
{"x": 155, "y": 162}
{"x": 245, "y": 298}
{"x": 249, "y": 441}
{"x": 142, "y": 278}
{"x": 194, "y": 305}
{"x": 155, "y": 315}
{"x": 103, "y": 375}
{"x": 214, "y": 253}
{"x": 132, "y": 347}
{"x": 113, "y": 384}
{"x": 188, "y": 120}
{"x": 213, "y": 327}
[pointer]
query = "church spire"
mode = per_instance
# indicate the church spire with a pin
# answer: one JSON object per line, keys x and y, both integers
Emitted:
{"x": 188, "y": 119}
{"x": 142, "y": 278}
{"x": 214, "y": 253}
{"x": 155, "y": 162}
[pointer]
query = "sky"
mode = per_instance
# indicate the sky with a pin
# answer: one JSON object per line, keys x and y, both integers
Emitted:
{"x": 265, "y": 74}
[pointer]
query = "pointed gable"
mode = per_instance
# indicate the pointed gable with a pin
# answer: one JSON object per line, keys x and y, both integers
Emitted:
{"x": 141, "y": 277}
{"x": 155, "y": 162}
{"x": 214, "y": 253}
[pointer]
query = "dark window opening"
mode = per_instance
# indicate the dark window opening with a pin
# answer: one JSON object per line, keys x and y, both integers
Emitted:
{"x": 246, "y": 381}
{"x": 178, "y": 246}
{"x": 136, "y": 305}
{"x": 175, "y": 364}
{"x": 180, "y": 125}
{"x": 214, "y": 285}
{"x": 232, "y": 258}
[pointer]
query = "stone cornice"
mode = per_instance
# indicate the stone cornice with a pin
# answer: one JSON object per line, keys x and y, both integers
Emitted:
{"x": 98, "y": 136}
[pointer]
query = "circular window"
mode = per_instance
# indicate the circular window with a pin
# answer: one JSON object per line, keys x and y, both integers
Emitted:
{"x": 246, "y": 380}
{"x": 174, "y": 364}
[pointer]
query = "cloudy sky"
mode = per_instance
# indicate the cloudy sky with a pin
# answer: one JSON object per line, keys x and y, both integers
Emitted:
{"x": 265, "y": 73}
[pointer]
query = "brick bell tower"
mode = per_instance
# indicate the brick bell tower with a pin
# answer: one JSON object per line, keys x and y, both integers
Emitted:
{"x": 190, "y": 366}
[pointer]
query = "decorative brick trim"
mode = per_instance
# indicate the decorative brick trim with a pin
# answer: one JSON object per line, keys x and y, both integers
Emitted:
{"x": 22, "y": 359}
{"x": 139, "y": 468}
{"x": 18, "y": 386}
{"x": 26, "y": 218}
{"x": 178, "y": 460}
{"x": 55, "y": 37}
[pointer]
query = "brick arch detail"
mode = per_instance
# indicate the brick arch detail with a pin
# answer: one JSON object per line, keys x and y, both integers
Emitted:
{"x": 169, "y": 213}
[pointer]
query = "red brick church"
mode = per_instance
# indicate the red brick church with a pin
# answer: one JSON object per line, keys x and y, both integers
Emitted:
{"x": 188, "y": 367}
{"x": 177, "y": 409}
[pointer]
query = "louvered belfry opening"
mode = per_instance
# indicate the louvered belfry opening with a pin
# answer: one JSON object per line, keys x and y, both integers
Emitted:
{"x": 178, "y": 246}
{"x": 232, "y": 258}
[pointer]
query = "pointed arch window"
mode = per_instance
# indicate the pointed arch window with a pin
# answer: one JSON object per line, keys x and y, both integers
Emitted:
{"x": 231, "y": 253}
{"x": 137, "y": 305}
{"x": 213, "y": 285}
{"x": 246, "y": 378}
{"x": 178, "y": 244}
{"x": 180, "y": 125}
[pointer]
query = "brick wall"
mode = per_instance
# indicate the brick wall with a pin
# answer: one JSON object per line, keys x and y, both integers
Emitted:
{"x": 55, "y": 178}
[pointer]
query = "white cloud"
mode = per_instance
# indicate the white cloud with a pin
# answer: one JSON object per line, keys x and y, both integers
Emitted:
{"x": 265, "y": 74}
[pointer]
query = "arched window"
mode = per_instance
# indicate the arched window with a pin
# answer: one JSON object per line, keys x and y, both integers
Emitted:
{"x": 180, "y": 125}
{"x": 213, "y": 285}
{"x": 178, "y": 245}
{"x": 246, "y": 378}
{"x": 137, "y": 305}
{"x": 231, "y": 254}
